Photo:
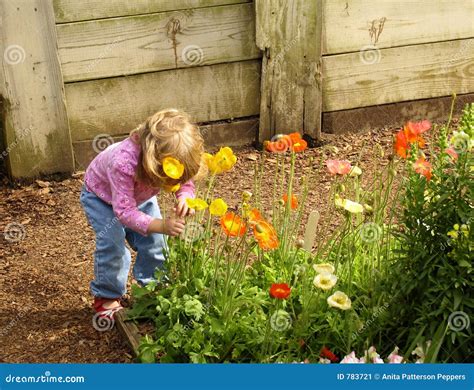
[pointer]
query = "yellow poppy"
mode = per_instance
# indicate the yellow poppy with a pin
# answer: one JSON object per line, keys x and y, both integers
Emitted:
{"x": 218, "y": 207}
{"x": 172, "y": 168}
{"x": 221, "y": 162}
{"x": 196, "y": 204}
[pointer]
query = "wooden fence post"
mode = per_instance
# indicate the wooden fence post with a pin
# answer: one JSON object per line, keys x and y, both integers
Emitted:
{"x": 289, "y": 33}
{"x": 37, "y": 138}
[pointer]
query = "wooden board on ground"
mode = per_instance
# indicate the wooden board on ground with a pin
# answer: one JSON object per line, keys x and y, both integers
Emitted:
{"x": 117, "y": 105}
{"x": 160, "y": 41}
{"x": 73, "y": 10}
{"x": 128, "y": 330}
{"x": 235, "y": 133}
{"x": 350, "y": 25}
{"x": 398, "y": 74}
{"x": 392, "y": 115}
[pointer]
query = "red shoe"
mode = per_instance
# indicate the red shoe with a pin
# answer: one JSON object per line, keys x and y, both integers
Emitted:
{"x": 99, "y": 304}
{"x": 104, "y": 319}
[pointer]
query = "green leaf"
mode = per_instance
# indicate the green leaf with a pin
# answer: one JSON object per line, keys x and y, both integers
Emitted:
{"x": 464, "y": 263}
{"x": 433, "y": 350}
{"x": 457, "y": 299}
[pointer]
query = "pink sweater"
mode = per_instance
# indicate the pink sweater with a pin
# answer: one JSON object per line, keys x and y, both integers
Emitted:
{"x": 111, "y": 176}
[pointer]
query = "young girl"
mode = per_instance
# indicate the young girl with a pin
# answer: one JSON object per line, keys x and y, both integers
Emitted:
{"x": 120, "y": 203}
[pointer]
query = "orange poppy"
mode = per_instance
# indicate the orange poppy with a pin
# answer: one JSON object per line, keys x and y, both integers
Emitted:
{"x": 233, "y": 225}
{"x": 410, "y": 134}
{"x": 401, "y": 144}
{"x": 279, "y": 144}
{"x": 298, "y": 144}
{"x": 265, "y": 235}
{"x": 423, "y": 167}
{"x": 417, "y": 128}
{"x": 338, "y": 167}
{"x": 293, "y": 203}
{"x": 254, "y": 216}
{"x": 280, "y": 290}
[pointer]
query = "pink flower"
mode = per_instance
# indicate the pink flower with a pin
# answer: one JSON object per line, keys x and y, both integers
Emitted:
{"x": 371, "y": 355}
{"x": 394, "y": 357}
{"x": 452, "y": 153}
{"x": 338, "y": 167}
{"x": 423, "y": 167}
{"x": 350, "y": 359}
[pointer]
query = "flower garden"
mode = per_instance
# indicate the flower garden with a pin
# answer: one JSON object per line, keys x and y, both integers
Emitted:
{"x": 391, "y": 284}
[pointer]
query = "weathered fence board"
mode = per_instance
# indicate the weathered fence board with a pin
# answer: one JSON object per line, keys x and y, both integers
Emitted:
{"x": 393, "y": 115}
{"x": 115, "y": 106}
{"x": 169, "y": 40}
{"x": 289, "y": 32}
{"x": 36, "y": 126}
{"x": 73, "y": 10}
{"x": 351, "y": 25}
{"x": 398, "y": 74}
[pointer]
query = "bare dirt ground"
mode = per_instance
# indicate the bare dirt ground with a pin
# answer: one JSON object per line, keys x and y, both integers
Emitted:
{"x": 45, "y": 304}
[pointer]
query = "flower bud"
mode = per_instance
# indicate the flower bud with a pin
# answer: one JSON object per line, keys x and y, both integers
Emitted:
{"x": 380, "y": 150}
{"x": 246, "y": 195}
{"x": 300, "y": 243}
{"x": 355, "y": 171}
{"x": 341, "y": 187}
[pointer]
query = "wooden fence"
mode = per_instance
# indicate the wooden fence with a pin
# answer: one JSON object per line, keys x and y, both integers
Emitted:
{"x": 77, "y": 75}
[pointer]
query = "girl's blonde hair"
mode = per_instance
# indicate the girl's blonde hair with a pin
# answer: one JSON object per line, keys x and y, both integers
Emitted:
{"x": 168, "y": 133}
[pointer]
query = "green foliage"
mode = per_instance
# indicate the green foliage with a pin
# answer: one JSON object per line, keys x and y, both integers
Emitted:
{"x": 431, "y": 279}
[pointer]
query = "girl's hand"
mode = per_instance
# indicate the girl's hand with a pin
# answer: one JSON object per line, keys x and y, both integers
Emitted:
{"x": 182, "y": 209}
{"x": 173, "y": 227}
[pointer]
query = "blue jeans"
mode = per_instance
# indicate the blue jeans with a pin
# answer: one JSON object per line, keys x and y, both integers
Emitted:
{"x": 111, "y": 257}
